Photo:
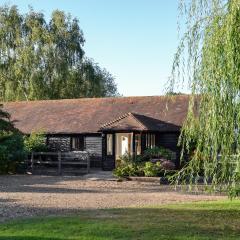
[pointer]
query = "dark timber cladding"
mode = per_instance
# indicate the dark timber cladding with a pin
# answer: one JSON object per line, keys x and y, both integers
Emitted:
{"x": 83, "y": 124}
{"x": 169, "y": 141}
{"x": 91, "y": 143}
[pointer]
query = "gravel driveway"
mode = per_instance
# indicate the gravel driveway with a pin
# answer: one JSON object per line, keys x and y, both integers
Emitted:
{"x": 28, "y": 195}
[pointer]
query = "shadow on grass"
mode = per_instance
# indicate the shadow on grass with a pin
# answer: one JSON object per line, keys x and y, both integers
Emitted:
{"x": 28, "y": 238}
{"x": 192, "y": 221}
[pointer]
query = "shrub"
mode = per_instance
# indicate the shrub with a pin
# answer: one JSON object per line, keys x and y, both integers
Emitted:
{"x": 152, "y": 169}
{"x": 168, "y": 165}
{"x": 130, "y": 166}
{"x": 11, "y": 144}
{"x": 12, "y": 152}
{"x": 157, "y": 152}
{"x": 125, "y": 159}
{"x": 126, "y": 171}
{"x": 35, "y": 142}
{"x": 127, "y": 166}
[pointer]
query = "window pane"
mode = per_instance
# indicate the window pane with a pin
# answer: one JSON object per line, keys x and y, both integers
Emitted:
{"x": 138, "y": 144}
{"x": 109, "y": 144}
{"x": 152, "y": 140}
{"x": 73, "y": 143}
{"x": 147, "y": 141}
{"x": 78, "y": 143}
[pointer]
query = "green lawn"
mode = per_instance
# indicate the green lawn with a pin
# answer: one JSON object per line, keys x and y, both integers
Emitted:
{"x": 214, "y": 220}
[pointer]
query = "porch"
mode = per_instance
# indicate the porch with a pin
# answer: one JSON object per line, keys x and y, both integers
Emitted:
{"x": 132, "y": 134}
{"x": 117, "y": 144}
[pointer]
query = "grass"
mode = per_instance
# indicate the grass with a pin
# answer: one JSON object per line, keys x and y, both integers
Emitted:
{"x": 204, "y": 220}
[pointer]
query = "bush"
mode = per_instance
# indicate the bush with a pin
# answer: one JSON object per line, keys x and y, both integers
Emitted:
{"x": 12, "y": 152}
{"x": 152, "y": 169}
{"x": 126, "y": 171}
{"x": 35, "y": 142}
{"x": 127, "y": 166}
{"x": 168, "y": 165}
{"x": 157, "y": 152}
{"x": 11, "y": 144}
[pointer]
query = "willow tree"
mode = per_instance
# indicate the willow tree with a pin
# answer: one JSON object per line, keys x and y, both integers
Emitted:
{"x": 208, "y": 59}
{"x": 46, "y": 60}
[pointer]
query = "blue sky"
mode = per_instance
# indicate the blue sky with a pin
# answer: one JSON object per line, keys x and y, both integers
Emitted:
{"x": 135, "y": 40}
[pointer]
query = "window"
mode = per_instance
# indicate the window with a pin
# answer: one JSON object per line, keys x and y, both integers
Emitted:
{"x": 138, "y": 144}
{"x": 109, "y": 144}
{"x": 78, "y": 143}
{"x": 150, "y": 140}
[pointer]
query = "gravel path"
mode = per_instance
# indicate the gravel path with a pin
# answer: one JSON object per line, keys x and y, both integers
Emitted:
{"x": 27, "y": 195}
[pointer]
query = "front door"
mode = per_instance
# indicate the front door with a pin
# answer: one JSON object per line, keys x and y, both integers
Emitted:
{"x": 115, "y": 145}
{"x": 108, "y": 151}
{"x": 124, "y": 145}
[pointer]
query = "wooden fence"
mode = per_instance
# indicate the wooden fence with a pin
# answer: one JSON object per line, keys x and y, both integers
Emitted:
{"x": 59, "y": 159}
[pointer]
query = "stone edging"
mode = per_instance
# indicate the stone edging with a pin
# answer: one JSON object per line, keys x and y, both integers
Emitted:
{"x": 145, "y": 179}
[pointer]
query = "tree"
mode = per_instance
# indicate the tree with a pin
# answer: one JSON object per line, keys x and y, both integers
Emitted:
{"x": 46, "y": 60}
{"x": 170, "y": 93}
{"x": 11, "y": 144}
{"x": 209, "y": 57}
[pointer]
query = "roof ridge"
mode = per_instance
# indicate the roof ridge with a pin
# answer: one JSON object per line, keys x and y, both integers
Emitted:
{"x": 116, "y": 119}
{"x": 122, "y": 117}
{"x": 97, "y": 98}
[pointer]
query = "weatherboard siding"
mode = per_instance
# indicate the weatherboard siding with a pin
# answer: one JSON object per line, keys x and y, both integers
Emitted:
{"x": 170, "y": 141}
{"x": 93, "y": 144}
{"x": 59, "y": 143}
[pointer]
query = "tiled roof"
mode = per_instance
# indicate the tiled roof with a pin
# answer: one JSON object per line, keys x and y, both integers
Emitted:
{"x": 127, "y": 121}
{"x": 137, "y": 122}
{"x": 88, "y": 115}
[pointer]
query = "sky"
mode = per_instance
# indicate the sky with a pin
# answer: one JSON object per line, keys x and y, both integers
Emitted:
{"x": 135, "y": 40}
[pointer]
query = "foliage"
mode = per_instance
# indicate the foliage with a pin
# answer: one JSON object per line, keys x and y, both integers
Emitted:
{"x": 127, "y": 166}
{"x": 170, "y": 93}
{"x": 11, "y": 152}
{"x": 208, "y": 56}
{"x": 234, "y": 192}
{"x": 46, "y": 60}
{"x": 218, "y": 220}
{"x": 168, "y": 165}
{"x": 125, "y": 159}
{"x": 5, "y": 123}
{"x": 127, "y": 170}
{"x": 35, "y": 142}
{"x": 152, "y": 169}
{"x": 130, "y": 166}
{"x": 11, "y": 145}
{"x": 157, "y": 152}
